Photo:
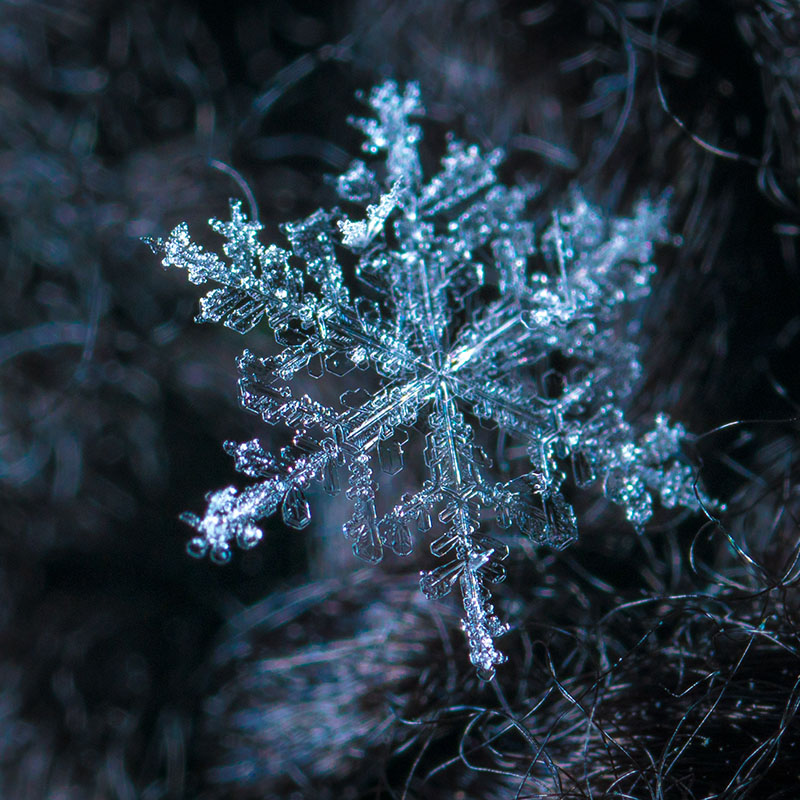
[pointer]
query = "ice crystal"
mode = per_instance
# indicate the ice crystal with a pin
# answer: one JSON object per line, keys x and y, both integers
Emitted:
{"x": 473, "y": 330}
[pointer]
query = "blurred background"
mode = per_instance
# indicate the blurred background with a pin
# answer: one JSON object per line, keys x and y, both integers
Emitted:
{"x": 656, "y": 666}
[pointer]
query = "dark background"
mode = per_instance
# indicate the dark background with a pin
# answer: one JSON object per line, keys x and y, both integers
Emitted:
{"x": 130, "y": 670}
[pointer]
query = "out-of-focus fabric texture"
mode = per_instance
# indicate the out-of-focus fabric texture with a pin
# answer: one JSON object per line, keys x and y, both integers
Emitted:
{"x": 660, "y": 666}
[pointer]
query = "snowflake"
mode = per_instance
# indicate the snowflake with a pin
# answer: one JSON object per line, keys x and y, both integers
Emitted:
{"x": 472, "y": 329}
